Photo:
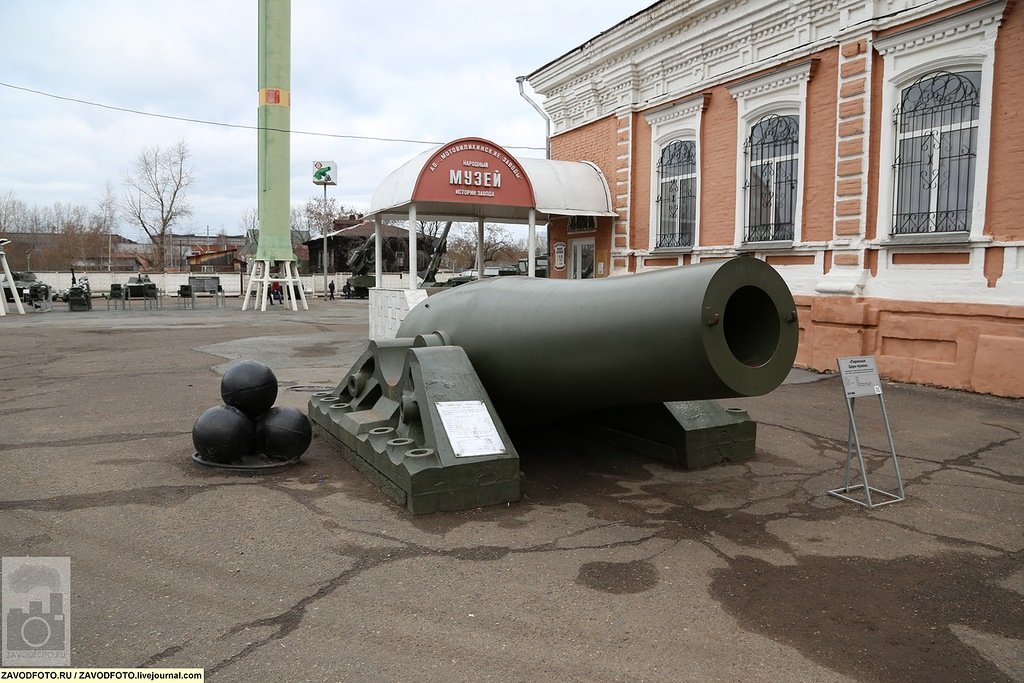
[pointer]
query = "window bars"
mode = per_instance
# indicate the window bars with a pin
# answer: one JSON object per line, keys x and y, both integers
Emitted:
{"x": 936, "y": 126}
{"x": 772, "y": 153}
{"x": 582, "y": 224}
{"x": 677, "y": 194}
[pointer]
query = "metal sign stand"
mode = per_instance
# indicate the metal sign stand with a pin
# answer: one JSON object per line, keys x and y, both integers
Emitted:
{"x": 860, "y": 378}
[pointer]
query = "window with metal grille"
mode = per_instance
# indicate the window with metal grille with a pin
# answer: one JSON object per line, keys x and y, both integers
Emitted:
{"x": 772, "y": 153}
{"x": 936, "y": 124}
{"x": 582, "y": 224}
{"x": 677, "y": 194}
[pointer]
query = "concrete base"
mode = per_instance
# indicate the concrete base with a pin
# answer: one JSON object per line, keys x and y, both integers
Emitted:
{"x": 693, "y": 434}
{"x": 384, "y": 419}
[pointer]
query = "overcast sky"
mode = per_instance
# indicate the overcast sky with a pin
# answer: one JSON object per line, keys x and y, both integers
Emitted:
{"x": 430, "y": 70}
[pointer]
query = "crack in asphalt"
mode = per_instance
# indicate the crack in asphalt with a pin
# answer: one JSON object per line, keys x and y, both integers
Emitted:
{"x": 681, "y": 522}
{"x": 163, "y": 654}
{"x": 683, "y": 519}
{"x": 960, "y": 463}
{"x": 16, "y": 411}
{"x": 367, "y": 559}
{"x": 153, "y": 496}
{"x": 97, "y": 440}
{"x": 675, "y": 524}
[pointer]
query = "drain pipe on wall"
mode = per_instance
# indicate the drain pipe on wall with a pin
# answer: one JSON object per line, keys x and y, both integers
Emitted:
{"x": 531, "y": 269}
{"x": 547, "y": 119}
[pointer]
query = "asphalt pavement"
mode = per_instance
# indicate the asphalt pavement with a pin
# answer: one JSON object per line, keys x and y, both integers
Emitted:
{"x": 612, "y": 567}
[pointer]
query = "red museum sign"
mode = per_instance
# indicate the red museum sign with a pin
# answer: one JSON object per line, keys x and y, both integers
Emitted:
{"x": 473, "y": 171}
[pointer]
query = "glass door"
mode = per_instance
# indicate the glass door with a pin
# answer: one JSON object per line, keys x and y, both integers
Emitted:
{"x": 581, "y": 259}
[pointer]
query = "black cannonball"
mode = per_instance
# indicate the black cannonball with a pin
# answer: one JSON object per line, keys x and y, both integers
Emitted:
{"x": 249, "y": 386}
{"x": 223, "y": 434}
{"x": 283, "y": 433}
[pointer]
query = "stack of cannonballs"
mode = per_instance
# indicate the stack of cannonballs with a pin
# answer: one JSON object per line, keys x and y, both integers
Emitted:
{"x": 248, "y": 425}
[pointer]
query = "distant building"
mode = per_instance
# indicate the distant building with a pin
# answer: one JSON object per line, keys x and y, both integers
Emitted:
{"x": 181, "y": 248}
{"x": 870, "y": 151}
{"x": 56, "y": 251}
{"x": 216, "y": 260}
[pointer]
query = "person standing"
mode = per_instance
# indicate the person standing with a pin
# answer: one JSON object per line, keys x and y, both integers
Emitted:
{"x": 330, "y": 290}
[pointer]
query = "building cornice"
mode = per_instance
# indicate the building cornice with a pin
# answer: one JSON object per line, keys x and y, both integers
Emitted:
{"x": 977, "y": 19}
{"x": 773, "y": 80}
{"x": 677, "y": 110}
{"x": 677, "y": 48}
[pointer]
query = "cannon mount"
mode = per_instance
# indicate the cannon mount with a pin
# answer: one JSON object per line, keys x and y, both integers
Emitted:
{"x": 421, "y": 415}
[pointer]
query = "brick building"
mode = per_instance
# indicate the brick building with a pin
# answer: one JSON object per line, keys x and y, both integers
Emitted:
{"x": 869, "y": 150}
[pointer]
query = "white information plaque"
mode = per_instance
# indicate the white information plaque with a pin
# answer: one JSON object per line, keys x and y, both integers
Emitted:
{"x": 470, "y": 428}
{"x": 860, "y": 376}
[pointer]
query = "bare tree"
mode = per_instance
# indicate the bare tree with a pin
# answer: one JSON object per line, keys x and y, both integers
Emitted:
{"x": 60, "y": 235}
{"x": 15, "y": 223}
{"x": 317, "y": 215}
{"x": 498, "y": 247}
{"x": 297, "y": 223}
{"x": 249, "y": 221}
{"x": 12, "y": 211}
{"x": 320, "y": 214}
{"x": 104, "y": 221}
{"x": 434, "y": 228}
{"x": 156, "y": 199}
{"x": 105, "y": 218}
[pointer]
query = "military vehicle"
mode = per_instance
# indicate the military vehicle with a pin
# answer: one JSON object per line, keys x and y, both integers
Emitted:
{"x": 28, "y": 287}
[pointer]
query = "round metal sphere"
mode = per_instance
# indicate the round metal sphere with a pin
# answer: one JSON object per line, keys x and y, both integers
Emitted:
{"x": 223, "y": 434}
{"x": 283, "y": 433}
{"x": 249, "y": 386}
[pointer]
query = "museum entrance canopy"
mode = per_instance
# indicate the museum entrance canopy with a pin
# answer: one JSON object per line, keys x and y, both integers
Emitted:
{"x": 472, "y": 178}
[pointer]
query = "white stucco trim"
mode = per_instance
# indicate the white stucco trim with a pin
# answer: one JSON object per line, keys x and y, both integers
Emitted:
{"x": 678, "y": 47}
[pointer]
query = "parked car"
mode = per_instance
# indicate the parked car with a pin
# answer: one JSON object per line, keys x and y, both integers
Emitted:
{"x": 540, "y": 266}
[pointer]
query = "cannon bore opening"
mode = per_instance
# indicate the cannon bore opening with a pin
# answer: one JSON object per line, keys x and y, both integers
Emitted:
{"x": 751, "y": 326}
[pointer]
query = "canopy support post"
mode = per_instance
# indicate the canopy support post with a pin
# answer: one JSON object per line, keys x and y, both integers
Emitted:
{"x": 480, "y": 248}
{"x": 412, "y": 246}
{"x": 378, "y": 253}
{"x": 531, "y": 242}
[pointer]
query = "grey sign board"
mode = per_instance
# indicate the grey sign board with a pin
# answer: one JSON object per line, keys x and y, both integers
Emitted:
{"x": 470, "y": 428}
{"x": 860, "y": 376}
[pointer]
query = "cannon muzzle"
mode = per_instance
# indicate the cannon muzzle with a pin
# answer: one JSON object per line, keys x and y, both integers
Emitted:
{"x": 553, "y": 347}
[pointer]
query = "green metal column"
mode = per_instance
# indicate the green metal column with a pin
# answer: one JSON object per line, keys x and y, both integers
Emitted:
{"x": 274, "y": 118}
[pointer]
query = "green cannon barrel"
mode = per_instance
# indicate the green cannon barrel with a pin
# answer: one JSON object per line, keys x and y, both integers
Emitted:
{"x": 548, "y": 347}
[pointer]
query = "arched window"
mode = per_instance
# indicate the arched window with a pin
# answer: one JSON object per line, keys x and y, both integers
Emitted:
{"x": 936, "y": 124}
{"x": 677, "y": 194}
{"x": 772, "y": 153}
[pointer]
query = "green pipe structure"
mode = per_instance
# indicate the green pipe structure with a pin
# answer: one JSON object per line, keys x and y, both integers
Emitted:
{"x": 274, "y": 119}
